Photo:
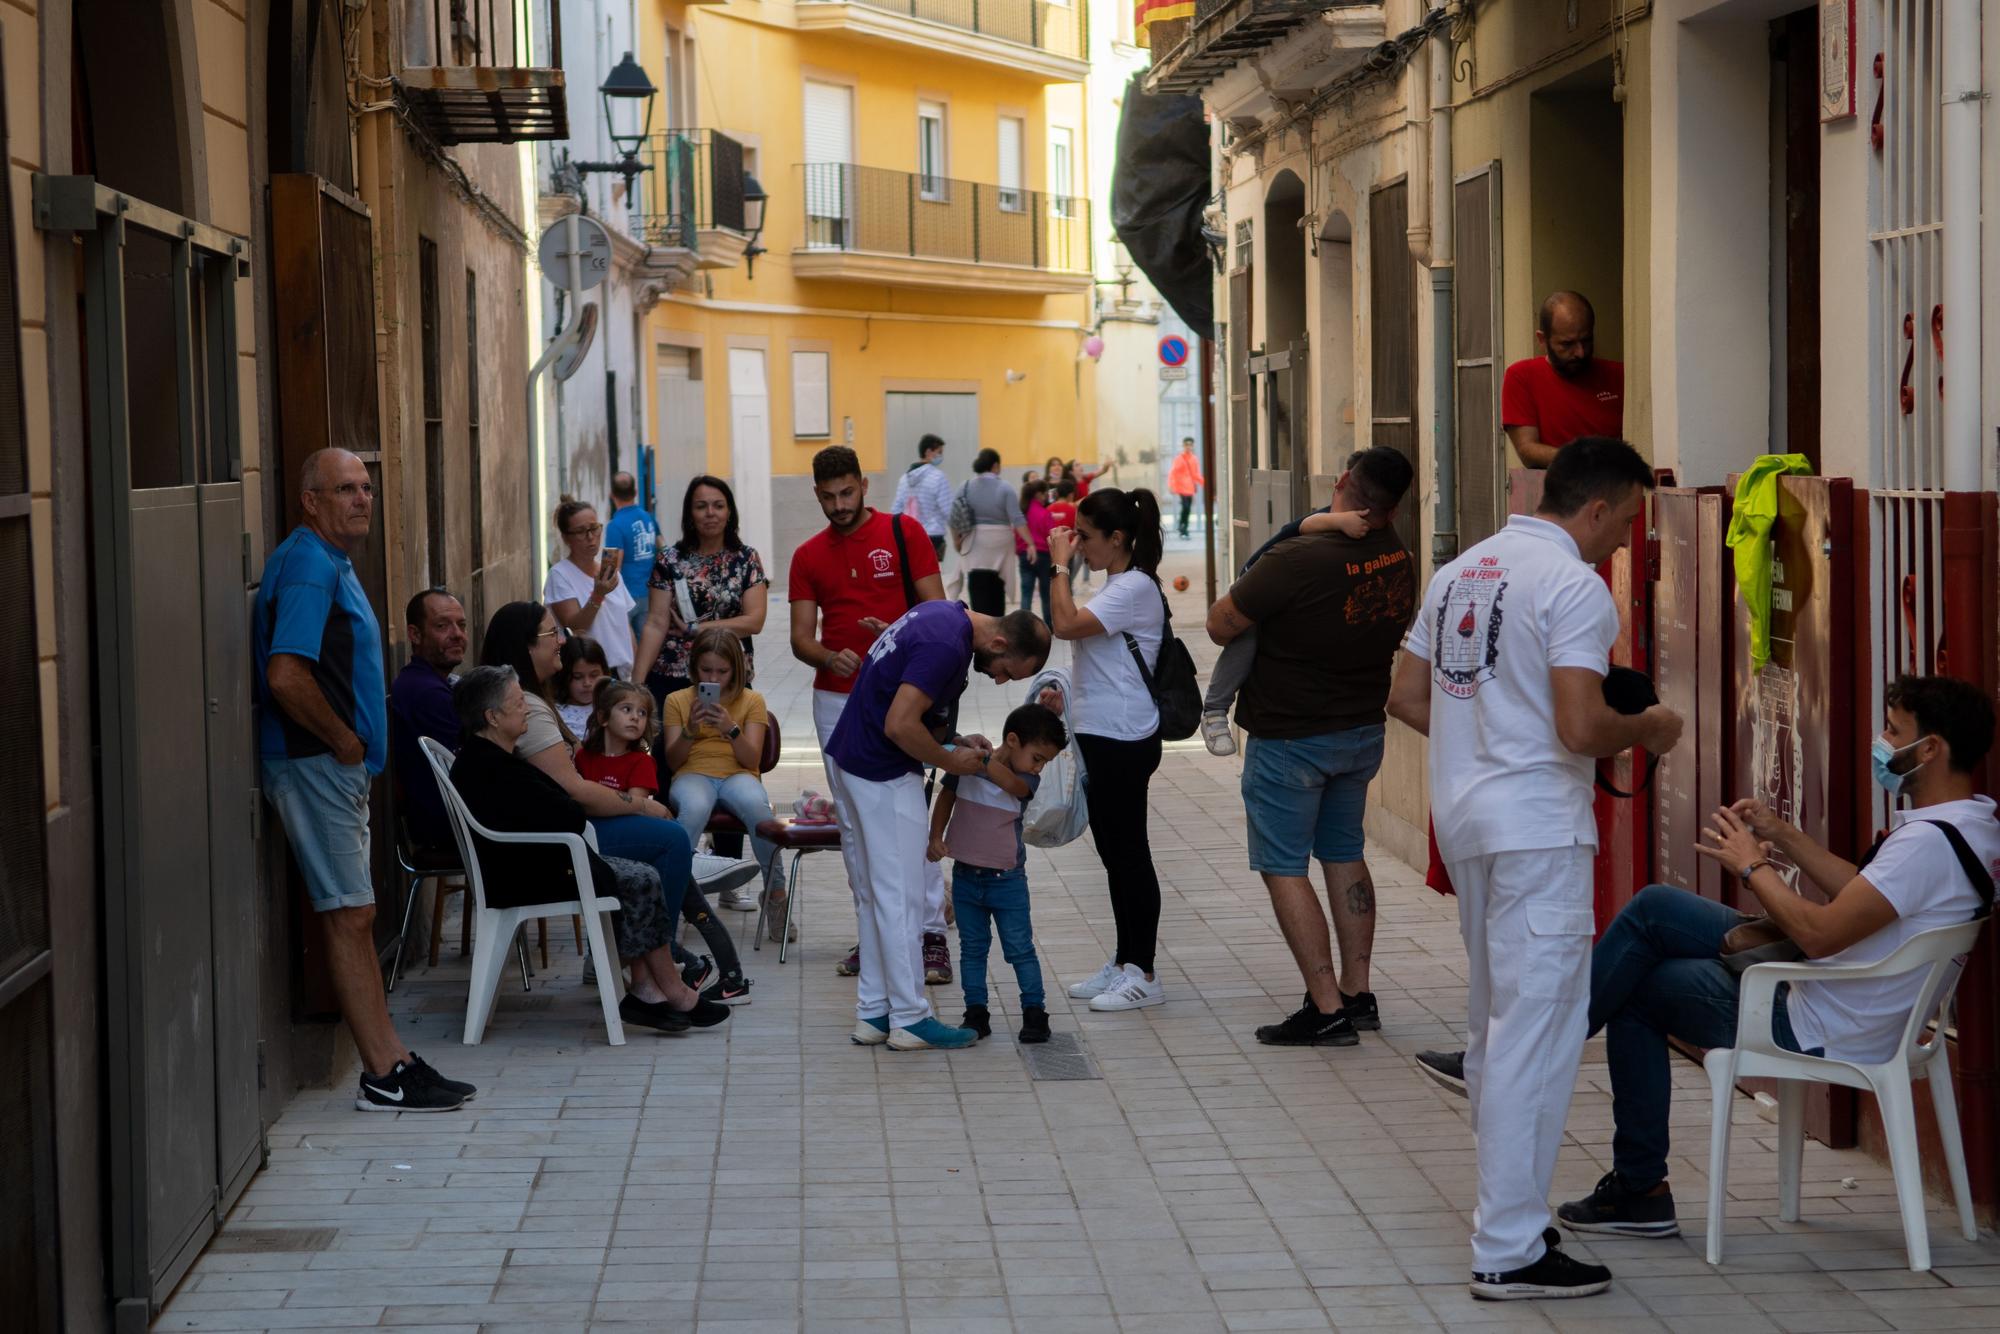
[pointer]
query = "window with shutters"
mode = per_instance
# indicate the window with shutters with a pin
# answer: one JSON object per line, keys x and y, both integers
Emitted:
{"x": 431, "y": 321}
{"x": 1062, "y": 180}
{"x": 475, "y": 464}
{"x": 829, "y": 145}
{"x": 1392, "y": 343}
{"x": 1013, "y": 174}
{"x": 812, "y": 408}
{"x": 1482, "y": 458}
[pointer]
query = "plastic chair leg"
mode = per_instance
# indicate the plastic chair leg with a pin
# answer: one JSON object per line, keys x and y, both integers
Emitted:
{"x": 1791, "y": 1146}
{"x": 607, "y": 980}
{"x": 489, "y": 957}
{"x": 1946, "y": 1107}
{"x": 1899, "y": 1128}
{"x": 403, "y": 936}
{"x": 1721, "y": 1066}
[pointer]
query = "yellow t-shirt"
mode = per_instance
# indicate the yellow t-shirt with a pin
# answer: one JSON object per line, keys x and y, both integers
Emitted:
{"x": 712, "y": 755}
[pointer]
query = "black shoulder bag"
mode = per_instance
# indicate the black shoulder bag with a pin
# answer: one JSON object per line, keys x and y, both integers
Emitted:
{"x": 1172, "y": 683}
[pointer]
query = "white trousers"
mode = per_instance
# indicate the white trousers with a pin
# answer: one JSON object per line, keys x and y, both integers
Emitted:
{"x": 827, "y": 705}
{"x": 883, "y": 831}
{"x": 1526, "y": 919}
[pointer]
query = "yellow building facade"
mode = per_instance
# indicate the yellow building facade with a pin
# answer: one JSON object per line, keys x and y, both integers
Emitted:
{"x": 923, "y": 263}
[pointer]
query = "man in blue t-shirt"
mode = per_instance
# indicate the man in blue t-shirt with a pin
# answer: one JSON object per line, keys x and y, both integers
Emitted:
{"x": 323, "y": 734}
{"x": 633, "y": 531}
{"x": 887, "y": 735}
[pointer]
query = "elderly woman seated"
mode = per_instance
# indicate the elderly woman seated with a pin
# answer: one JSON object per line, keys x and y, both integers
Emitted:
{"x": 509, "y": 795}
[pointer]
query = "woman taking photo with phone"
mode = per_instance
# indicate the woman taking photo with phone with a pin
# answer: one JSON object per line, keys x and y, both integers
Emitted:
{"x": 712, "y": 741}
{"x": 584, "y": 590}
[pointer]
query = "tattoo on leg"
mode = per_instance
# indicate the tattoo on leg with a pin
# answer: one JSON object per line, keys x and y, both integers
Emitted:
{"x": 1323, "y": 970}
{"x": 1361, "y": 896}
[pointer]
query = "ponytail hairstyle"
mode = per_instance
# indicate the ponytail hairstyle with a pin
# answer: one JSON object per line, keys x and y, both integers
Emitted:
{"x": 1135, "y": 513}
{"x": 610, "y": 691}
{"x": 1031, "y": 492}
{"x": 568, "y": 508}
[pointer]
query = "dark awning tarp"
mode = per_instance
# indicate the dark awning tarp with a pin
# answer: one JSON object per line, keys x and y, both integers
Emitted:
{"x": 1159, "y": 187}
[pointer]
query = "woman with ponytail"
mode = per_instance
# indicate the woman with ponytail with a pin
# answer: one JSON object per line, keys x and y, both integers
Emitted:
{"x": 1114, "y": 720}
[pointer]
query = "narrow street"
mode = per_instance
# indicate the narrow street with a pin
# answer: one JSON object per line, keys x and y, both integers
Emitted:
{"x": 770, "y": 1176}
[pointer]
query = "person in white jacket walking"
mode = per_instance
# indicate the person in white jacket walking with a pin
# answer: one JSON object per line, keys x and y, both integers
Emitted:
{"x": 924, "y": 492}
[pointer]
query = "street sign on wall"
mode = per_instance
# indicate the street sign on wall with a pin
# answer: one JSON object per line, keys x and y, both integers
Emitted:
{"x": 1173, "y": 351}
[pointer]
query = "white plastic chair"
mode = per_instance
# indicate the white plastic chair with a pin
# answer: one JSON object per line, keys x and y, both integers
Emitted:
{"x": 497, "y": 926}
{"x": 1757, "y": 1055}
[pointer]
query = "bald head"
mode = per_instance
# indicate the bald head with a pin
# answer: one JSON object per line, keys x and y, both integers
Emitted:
{"x": 337, "y": 496}
{"x": 1566, "y": 332}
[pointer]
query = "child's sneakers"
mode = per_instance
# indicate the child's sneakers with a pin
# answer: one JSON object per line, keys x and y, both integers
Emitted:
{"x": 1132, "y": 992}
{"x": 1215, "y": 734}
{"x": 1098, "y": 982}
{"x": 1034, "y": 1024}
{"x": 931, "y": 1031}
{"x": 978, "y": 1019}
{"x": 937, "y": 958}
{"x": 850, "y": 965}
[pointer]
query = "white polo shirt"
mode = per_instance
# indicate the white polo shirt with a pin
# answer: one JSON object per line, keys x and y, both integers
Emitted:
{"x": 1493, "y": 624}
{"x": 1916, "y": 870}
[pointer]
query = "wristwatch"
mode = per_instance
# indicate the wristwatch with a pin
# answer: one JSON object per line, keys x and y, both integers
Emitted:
{"x": 733, "y": 732}
{"x": 1752, "y": 869}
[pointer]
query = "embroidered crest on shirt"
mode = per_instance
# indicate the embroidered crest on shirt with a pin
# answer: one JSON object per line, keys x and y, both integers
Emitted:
{"x": 881, "y": 560}
{"x": 1466, "y": 638}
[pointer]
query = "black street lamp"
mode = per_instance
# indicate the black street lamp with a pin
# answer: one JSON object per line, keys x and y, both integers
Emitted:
{"x": 754, "y": 200}
{"x": 627, "y": 95}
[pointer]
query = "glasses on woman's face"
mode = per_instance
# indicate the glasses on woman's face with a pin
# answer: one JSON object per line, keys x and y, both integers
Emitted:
{"x": 550, "y": 633}
{"x": 591, "y": 531}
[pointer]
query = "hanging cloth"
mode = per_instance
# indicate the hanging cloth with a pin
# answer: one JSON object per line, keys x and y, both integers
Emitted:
{"x": 1750, "y": 538}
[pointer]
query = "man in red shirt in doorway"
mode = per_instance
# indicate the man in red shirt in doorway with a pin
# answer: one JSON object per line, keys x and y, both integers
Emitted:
{"x": 849, "y": 582}
{"x": 1568, "y": 391}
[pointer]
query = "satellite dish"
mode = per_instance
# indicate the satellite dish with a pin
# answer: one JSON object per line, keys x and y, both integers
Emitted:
{"x": 576, "y": 343}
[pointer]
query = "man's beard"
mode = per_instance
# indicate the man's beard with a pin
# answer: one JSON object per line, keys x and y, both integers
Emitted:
{"x": 844, "y": 520}
{"x": 1570, "y": 369}
{"x": 983, "y": 660}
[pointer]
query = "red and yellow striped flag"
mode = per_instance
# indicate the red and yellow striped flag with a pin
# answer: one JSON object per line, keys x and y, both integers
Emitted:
{"x": 1145, "y": 13}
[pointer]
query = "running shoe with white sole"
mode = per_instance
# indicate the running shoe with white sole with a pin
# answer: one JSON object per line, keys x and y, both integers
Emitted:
{"x": 850, "y": 965}
{"x": 717, "y": 875}
{"x": 1446, "y": 1069}
{"x": 740, "y": 899}
{"x": 1133, "y": 992}
{"x": 1613, "y": 1209}
{"x": 1554, "y": 1275}
{"x": 870, "y": 1032}
{"x": 931, "y": 1032}
{"x": 1098, "y": 982}
{"x": 405, "y": 1089}
{"x": 1215, "y": 734}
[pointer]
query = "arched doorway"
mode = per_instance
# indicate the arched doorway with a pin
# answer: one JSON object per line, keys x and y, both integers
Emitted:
{"x": 1334, "y": 440}
{"x": 1279, "y": 370}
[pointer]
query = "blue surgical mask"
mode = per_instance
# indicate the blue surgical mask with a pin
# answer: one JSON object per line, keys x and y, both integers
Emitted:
{"x": 1882, "y": 755}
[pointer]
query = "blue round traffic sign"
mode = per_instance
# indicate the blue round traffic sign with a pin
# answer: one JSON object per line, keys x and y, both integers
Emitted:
{"x": 1173, "y": 350}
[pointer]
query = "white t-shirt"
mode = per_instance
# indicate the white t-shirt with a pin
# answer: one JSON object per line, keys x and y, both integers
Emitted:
{"x": 1493, "y": 624}
{"x": 1111, "y": 697}
{"x": 1916, "y": 870}
{"x": 613, "y": 626}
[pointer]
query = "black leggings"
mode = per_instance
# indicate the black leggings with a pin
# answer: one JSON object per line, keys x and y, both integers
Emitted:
{"x": 1117, "y": 804}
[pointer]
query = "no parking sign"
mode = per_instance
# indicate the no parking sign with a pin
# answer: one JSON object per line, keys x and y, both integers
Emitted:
{"x": 1173, "y": 350}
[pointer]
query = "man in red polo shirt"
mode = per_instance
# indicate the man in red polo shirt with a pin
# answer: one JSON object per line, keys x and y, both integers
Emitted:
{"x": 848, "y": 585}
{"x": 1549, "y": 400}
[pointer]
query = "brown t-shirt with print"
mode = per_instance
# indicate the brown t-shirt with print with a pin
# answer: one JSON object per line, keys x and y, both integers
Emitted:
{"x": 1330, "y": 613}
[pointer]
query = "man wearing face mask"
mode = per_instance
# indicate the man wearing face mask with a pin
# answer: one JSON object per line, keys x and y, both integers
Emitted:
{"x": 1566, "y": 391}
{"x": 1656, "y": 973}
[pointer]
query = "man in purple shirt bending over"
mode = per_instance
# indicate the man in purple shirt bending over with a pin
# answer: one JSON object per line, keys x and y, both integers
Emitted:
{"x": 888, "y": 733}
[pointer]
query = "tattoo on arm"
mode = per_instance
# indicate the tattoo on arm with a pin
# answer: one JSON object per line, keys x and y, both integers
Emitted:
{"x": 1361, "y": 895}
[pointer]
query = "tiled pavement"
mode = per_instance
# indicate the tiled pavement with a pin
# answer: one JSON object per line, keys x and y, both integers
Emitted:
{"x": 771, "y": 1176}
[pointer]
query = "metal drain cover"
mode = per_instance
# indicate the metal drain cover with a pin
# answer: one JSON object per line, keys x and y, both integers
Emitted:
{"x": 252, "y": 1239}
{"x": 1062, "y": 1057}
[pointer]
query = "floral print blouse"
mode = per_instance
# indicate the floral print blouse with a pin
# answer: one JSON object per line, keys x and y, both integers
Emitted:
{"x": 716, "y": 583}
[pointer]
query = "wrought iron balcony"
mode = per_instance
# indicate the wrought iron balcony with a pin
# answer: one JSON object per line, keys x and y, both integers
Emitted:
{"x": 478, "y": 72}
{"x": 912, "y": 229}
{"x": 1045, "y": 38}
{"x": 1225, "y": 33}
{"x": 692, "y": 198}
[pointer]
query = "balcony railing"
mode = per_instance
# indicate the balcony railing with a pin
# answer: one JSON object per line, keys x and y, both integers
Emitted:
{"x": 905, "y": 213}
{"x": 696, "y": 183}
{"x": 484, "y": 71}
{"x": 1060, "y": 29}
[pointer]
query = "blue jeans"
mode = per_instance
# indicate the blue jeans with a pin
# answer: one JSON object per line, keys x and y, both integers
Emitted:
{"x": 695, "y": 797}
{"x": 1654, "y": 974}
{"x": 660, "y": 844}
{"x": 1305, "y": 797}
{"x": 323, "y": 805}
{"x": 985, "y": 899}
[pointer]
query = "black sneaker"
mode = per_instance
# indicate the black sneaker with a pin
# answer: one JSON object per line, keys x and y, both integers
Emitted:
{"x": 729, "y": 991}
{"x": 656, "y": 1015}
{"x": 1625, "y": 1213}
{"x": 1308, "y": 1027}
{"x": 1034, "y": 1024}
{"x": 1554, "y": 1275}
{"x": 1446, "y": 1069}
{"x": 978, "y": 1020}
{"x": 405, "y": 1089}
{"x": 1361, "y": 1012}
{"x": 696, "y": 972}
{"x": 466, "y": 1092}
{"x": 706, "y": 1013}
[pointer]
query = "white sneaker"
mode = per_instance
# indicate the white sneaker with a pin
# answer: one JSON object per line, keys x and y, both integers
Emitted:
{"x": 1098, "y": 982}
{"x": 716, "y": 874}
{"x": 1133, "y": 992}
{"x": 1215, "y": 734}
{"x": 740, "y": 899}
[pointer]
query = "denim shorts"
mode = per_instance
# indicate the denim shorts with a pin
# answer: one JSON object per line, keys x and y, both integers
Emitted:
{"x": 324, "y": 806}
{"x": 1304, "y": 797}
